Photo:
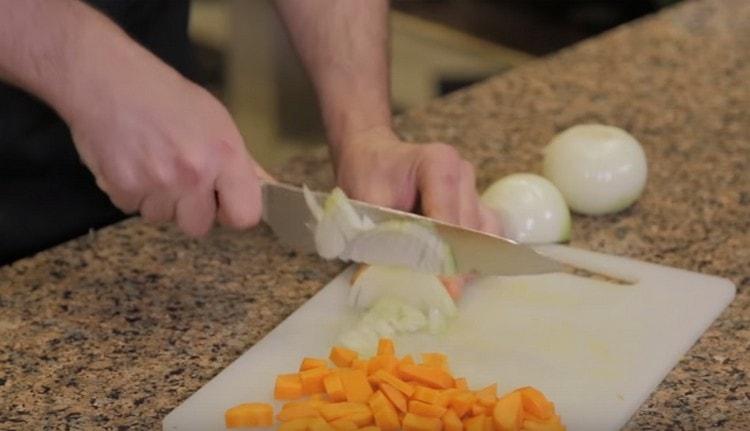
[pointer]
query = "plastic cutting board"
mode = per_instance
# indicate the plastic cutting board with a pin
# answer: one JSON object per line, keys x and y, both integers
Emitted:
{"x": 595, "y": 348}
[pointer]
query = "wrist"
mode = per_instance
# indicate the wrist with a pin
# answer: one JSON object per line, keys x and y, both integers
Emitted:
{"x": 354, "y": 139}
{"x": 360, "y": 143}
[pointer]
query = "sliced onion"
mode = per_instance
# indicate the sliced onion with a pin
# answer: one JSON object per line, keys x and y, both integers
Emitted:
{"x": 385, "y": 318}
{"x": 338, "y": 224}
{"x": 530, "y": 209}
{"x": 420, "y": 290}
{"x": 402, "y": 243}
{"x": 599, "y": 169}
{"x": 342, "y": 233}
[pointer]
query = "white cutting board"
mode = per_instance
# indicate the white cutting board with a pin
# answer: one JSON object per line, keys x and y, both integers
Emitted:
{"x": 597, "y": 349}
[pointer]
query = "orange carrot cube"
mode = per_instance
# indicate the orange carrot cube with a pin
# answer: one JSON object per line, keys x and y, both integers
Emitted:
{"x": 288, "y": 387}
{"x": 309, "y": 363}
{"x": 386, "y": 347}
{"x": 342, "y": 357}
{"x": 249, "y": 415}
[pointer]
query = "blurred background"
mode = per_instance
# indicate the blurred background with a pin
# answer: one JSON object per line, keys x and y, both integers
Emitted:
{"x": 438, "y": 46}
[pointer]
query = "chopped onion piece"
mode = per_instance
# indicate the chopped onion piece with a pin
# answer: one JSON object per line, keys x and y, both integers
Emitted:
{"x": 420, "y": 290}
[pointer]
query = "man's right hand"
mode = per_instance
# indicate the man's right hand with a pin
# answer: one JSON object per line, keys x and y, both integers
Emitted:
{"x": 162, "y": 146}
{"x": 156, "y": 142}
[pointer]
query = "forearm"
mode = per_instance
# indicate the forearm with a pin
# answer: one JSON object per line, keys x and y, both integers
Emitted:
{"x": 344, "y": 46}
{"x": 66, "y": 53}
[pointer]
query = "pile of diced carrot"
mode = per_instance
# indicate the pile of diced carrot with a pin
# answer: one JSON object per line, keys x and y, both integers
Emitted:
{"x": 389, "y": 393}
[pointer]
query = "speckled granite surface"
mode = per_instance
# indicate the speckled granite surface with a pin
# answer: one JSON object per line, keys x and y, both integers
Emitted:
{"x": 113, "y": 330}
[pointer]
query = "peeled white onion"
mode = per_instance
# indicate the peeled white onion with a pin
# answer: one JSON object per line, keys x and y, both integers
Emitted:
{"x": 530, "y": 208}
{"x": 598, "y": 169}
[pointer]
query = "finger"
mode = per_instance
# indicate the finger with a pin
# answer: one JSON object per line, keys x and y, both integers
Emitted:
{"x": 195, "y": 212}
{"x": 127, "y": 202}
{"x": 238, "y": 190}
{"x": 468, "y": 197}
{"x": 438, "y": 180}
{"x": 262, "y": 174}
{"x": 489, "y": 220}
{"x": 376, "y": 194}
{"x": 158, "y": 208}
{"x": 122, "y": 186}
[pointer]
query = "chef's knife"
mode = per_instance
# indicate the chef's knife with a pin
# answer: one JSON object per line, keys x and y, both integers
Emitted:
{"x": 286, "y": 211}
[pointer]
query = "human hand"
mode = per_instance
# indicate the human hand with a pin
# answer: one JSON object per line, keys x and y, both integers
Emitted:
{"x": 377, "y": 167}
{"x": 165, "y": 147}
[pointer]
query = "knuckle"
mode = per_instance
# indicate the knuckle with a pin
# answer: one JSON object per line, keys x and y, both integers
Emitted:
{"x": 247, "y": 219}
{"x": 443, "y": 152}
{"x": 195, "y": 228}
{"x": 225, "y": 148}
{"x": 125, "y": 189}
{"x": 162, "y": 177}
{"x": 190, "y": 172}
{"x": 468, "y": 172}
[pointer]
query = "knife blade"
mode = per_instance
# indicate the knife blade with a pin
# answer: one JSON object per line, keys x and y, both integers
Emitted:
{"x": 286, "y": 212}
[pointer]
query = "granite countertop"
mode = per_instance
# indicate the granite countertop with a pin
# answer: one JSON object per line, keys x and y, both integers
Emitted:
{"x": 115, "y": 329}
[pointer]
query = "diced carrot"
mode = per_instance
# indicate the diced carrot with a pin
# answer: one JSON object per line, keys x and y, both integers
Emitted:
{"x": 451, "y": 421}
{"x": 422, "y": 408}
{"x": 386, "y": 347}
{"x": 387, "y": 419}
{"x": 312, "y": 380}
{"x": 461, "y": 402}
{"x": 340, "y": 410}
{"x": 393, "y": 380}
{"x": 333, "y": 386}
{"x": 475, "y": 423}
{"x": 444, "y": 397}
{"x": 407, "y": 360}
{"x": 487, "y": 396}
{"x": 414, "y": 422}
{"x": 428, "y": 376}
{"x": 508, "y": 412}
{"x": 437, "y": 360}
{"x": 461, "y": 383}
{"x": 249, "y": 415}
{"x": 300, "y": 424}
{"x": 489, "y": 423}
{"x": 428, "y": 395}
{"x": 384, "y": 393}
{"x": 378, "y": 400}
{"x": 343, "y": 425}
{"x": 360, "y": 364}
{"x": 297, "y": 411}
{"x": 479, "y": 409}
{"x": 316, "y": 400}
{"x": 342, "y": 357}
{"x": 551, "y": 424}
{"x": 395, "y": 396}
{"x": 288, "y": 387}
{"x": 454, "y": 284}
{"x": 535, "y": 403}
{"x": 385, "y": 362}
{"x": 308, "y": 363}
{"x": 319, "y": 424}
{"x": 363, "y": 418}
{"x": 359, "y": 270}
{"x": 356, "y": 386}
